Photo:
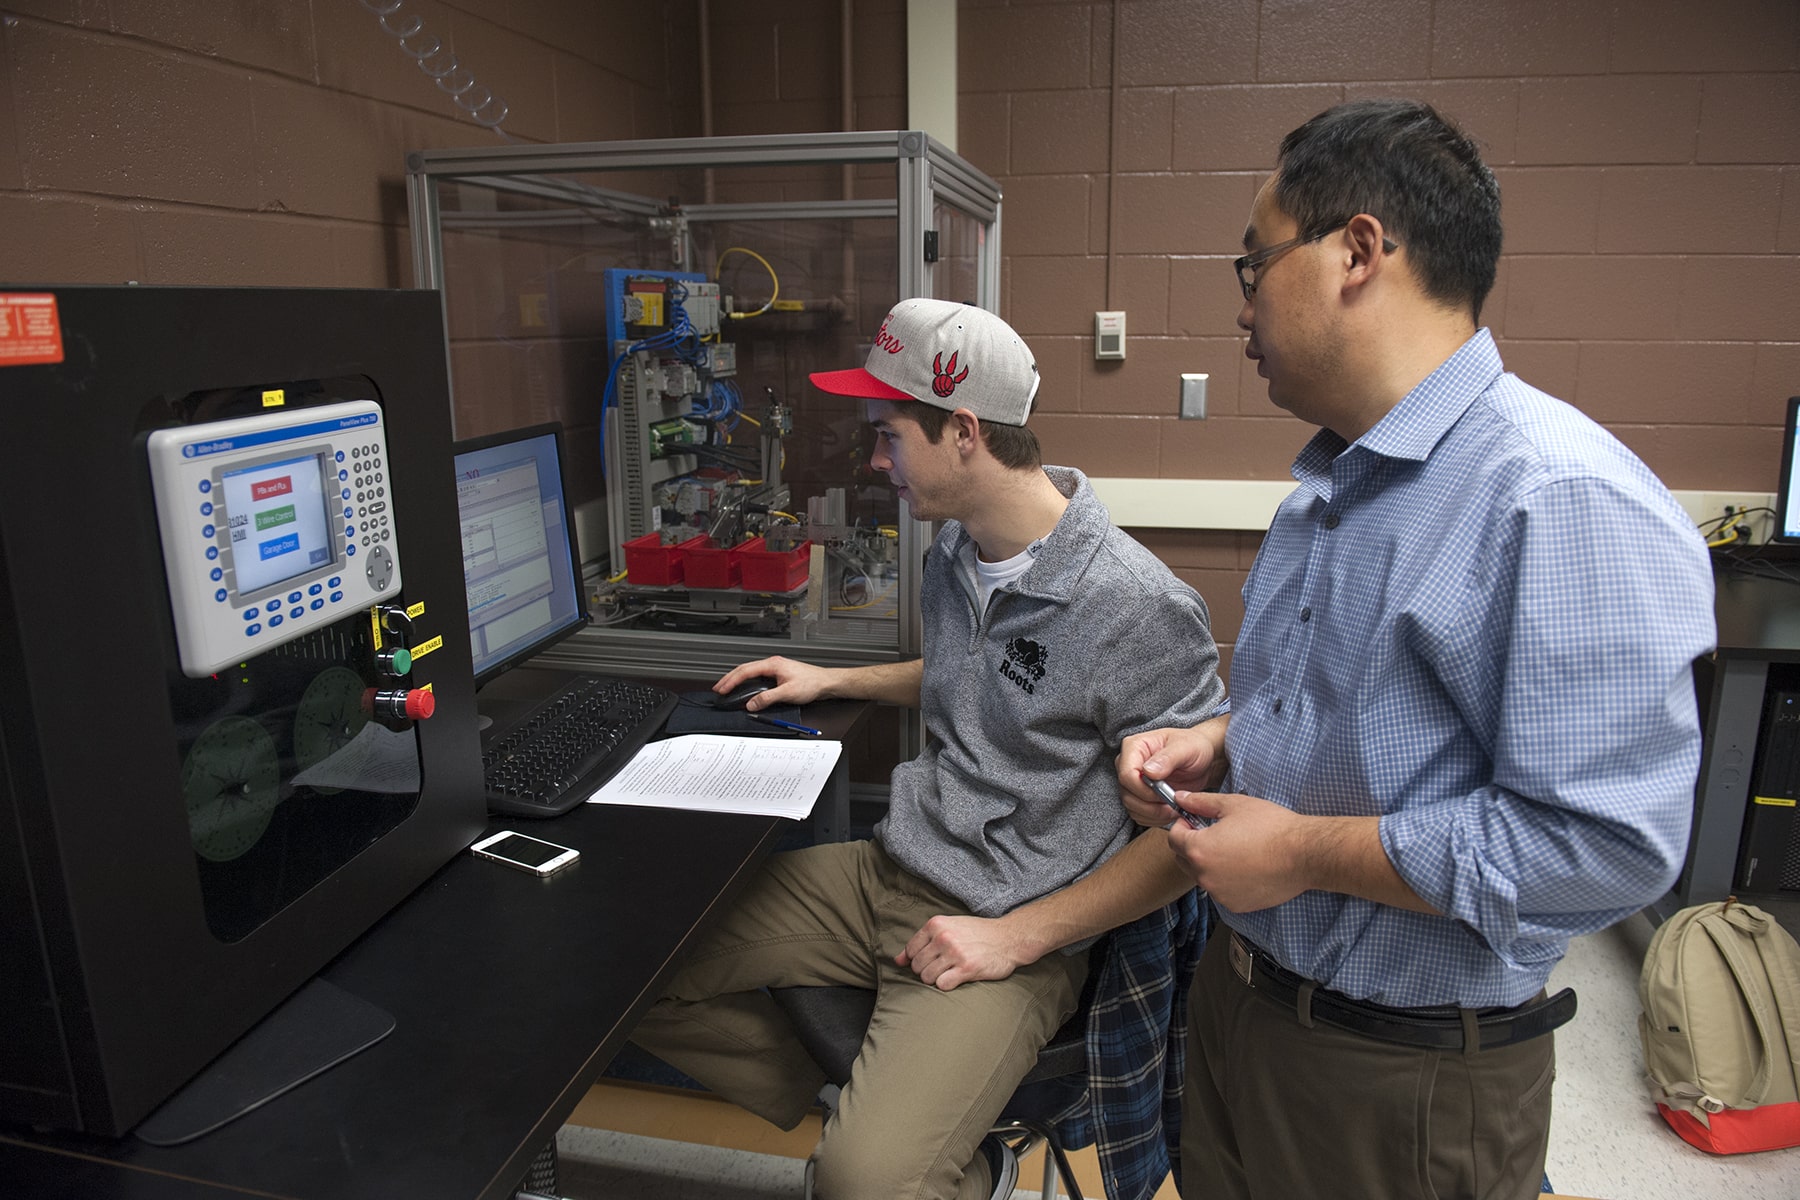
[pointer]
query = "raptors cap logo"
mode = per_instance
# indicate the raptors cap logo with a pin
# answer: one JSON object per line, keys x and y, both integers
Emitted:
{"x": 944, "y": 379}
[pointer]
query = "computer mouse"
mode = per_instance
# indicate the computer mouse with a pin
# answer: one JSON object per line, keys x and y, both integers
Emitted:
{"x": 737, "y": 697}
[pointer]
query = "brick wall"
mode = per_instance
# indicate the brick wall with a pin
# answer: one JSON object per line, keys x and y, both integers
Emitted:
{"x": 1648, "y": 153}
{"x": 263, "y": 143}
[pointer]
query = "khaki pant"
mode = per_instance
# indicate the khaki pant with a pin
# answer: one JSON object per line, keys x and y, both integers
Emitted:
{"x": 935, "y": 1068}
{"x": 1276, "y": 1111}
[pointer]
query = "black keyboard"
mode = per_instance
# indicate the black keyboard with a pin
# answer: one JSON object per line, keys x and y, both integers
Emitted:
{"x": 572, "y": 743}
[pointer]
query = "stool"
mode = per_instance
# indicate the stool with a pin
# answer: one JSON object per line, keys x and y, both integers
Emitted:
{"x": 831, "y": 1021}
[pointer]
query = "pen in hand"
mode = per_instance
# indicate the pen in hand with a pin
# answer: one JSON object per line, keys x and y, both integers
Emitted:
{"x": 1167, "y": 794}
{"x": 780, "y": 724}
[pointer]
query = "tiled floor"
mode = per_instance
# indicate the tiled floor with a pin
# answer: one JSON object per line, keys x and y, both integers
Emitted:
{"x": 1606, "y": 1139}
{"x": 1605, "y": 1142}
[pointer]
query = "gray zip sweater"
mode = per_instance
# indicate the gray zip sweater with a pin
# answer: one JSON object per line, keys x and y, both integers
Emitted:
{"x": 1025, "y": 705}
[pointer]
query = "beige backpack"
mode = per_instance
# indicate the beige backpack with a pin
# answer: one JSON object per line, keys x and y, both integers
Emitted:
{"x": 1721, "y": 1027}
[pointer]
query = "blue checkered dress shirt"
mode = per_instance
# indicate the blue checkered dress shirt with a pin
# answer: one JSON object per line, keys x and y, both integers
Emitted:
{"x": 1478, "y": 622}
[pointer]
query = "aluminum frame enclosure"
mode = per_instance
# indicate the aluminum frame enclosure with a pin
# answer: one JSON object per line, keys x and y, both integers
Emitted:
{"x": 929, "y": 180}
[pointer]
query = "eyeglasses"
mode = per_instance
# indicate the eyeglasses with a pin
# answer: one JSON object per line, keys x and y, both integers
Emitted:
{"x": 1250, "y": 265}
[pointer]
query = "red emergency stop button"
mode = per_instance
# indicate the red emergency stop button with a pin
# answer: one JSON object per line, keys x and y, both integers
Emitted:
{"x": 400, "y": 704}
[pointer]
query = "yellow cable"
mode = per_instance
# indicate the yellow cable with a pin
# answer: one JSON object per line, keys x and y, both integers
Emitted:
{"x": 773, "y": 281}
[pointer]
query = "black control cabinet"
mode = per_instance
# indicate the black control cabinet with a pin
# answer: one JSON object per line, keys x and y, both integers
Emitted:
{"x": 167, "y": 874}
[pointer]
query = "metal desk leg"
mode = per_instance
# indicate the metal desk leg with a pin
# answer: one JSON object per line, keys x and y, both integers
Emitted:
{"x": 831, "y": 815}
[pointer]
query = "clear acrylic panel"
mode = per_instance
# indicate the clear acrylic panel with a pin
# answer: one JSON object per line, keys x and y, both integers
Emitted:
{"x": 666, "y": 308}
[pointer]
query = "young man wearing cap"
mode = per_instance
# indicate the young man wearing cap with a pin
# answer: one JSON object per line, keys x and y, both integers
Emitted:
{"x": 1049, "y": 636}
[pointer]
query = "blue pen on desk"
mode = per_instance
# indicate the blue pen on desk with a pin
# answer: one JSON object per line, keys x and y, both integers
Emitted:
{"x": 781, "y": 724}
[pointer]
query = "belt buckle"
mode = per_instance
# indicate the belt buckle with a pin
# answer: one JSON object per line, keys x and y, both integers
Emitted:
{"x": 1242, "y": 960}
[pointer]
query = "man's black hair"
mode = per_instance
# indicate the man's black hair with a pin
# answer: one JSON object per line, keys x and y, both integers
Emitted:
{"x": 1415, "y": 172}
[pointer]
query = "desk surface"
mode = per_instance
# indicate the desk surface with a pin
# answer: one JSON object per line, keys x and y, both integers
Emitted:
{"x": 510, "y": 995}
{"x": 1757, "y": 617}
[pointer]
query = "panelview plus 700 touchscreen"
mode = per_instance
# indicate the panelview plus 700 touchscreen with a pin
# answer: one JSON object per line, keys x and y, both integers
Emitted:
{"x": 277, "y": 515}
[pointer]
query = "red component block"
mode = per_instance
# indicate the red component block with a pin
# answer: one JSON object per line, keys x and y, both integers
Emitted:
{"x": 710, "y": 565}
{"x": 765, "y": 570}
{"x": 650, "y": 563}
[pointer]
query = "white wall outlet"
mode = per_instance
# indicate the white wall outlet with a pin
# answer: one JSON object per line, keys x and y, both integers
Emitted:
{"x": 1757, "y": 506}
{"x": 1109, "y": 335}
{"x": 1193, "y": 397}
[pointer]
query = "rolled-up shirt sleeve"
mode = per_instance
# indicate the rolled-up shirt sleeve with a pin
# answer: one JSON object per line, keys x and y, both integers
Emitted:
{"x": 1590, "y": 610}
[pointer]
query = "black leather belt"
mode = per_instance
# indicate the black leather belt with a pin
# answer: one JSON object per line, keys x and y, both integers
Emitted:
{"x": 1466, "y": 1029}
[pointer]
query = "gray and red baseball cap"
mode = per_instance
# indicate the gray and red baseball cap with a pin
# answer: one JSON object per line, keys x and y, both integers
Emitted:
{"x": 948, "y": 355}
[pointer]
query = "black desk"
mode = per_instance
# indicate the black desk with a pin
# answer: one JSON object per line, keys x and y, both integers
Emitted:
{"x": 510, "y": 993}
{"x": 1759, "y": 624}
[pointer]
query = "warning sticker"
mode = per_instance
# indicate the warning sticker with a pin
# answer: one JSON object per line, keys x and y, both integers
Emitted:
{"x": 30, "y": 331}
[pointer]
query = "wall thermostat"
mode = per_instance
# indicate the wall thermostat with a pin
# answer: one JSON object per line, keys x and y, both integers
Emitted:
{"x": 1109, "y": 335}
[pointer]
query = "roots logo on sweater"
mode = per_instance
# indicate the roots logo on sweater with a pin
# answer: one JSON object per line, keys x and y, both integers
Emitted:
{"x": 1024, "y": 663}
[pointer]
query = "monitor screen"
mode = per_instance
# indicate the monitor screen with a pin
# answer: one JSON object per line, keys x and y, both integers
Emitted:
{"x": 518, "y": 543}
{"x": 1787, "y": 488}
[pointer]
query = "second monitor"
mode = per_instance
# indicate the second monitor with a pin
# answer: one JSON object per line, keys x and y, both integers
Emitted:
{"x": 519, "y": 552}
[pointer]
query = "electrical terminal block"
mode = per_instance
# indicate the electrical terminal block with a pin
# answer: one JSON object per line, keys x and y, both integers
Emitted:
{"x": 673, "y": 437}
{"x": 643, "y": 308}
{"x": 679, "y": 379}
{"x": 719, "y": 359}
{"x": 702, "y": 307}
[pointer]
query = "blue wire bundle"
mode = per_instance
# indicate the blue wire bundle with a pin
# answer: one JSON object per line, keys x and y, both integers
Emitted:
{"x": 679, "y": 341}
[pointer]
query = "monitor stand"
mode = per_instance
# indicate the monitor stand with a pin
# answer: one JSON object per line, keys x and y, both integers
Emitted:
{"x": 312, "y": 1031}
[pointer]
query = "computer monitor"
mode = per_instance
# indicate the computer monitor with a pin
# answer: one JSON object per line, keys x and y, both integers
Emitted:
{"x": 519, "y": 552}
{"x": 1787, "y": 487}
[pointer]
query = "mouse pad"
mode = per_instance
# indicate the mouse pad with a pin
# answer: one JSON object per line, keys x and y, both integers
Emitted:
{"x": 695, "y": 714}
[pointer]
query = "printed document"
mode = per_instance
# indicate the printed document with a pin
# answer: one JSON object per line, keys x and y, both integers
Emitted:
{"x": 714, "y": 772}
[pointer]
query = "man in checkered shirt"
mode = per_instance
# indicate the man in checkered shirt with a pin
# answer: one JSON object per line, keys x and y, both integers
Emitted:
{"x": 1463, "y": 726}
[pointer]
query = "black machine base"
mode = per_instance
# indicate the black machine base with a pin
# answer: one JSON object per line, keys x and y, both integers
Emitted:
{"x": 315, "y": 1029}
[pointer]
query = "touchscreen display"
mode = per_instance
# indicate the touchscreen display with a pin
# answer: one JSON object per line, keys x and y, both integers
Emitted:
{"x": 277, "y": 521}
{"x": 527, "y": 850}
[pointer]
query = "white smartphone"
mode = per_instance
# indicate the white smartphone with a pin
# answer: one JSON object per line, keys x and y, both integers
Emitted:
{"x": 526, "y": 853}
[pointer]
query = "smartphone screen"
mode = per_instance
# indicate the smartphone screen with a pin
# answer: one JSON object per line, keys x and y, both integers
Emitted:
{"x": 527, "y": 850}
{"x": 528, "y": 853}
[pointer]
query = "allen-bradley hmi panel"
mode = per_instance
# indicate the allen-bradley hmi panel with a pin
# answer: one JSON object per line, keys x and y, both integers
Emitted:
{"x": 237, "y": 710}
{"x": 272, "y": 525}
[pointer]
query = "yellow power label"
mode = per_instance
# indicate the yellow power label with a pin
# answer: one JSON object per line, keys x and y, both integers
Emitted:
{"x": 274, "y": 398}
{"x": 415, "y": 611}
{"x": 424, "y": 648}
{"x": 1777, "y": 801}
{"x": 375, "y": 627}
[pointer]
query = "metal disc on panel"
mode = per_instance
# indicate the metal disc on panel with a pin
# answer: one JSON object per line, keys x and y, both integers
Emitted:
{"x": 328, "y": 718}
{"x": 231, "y": 780}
